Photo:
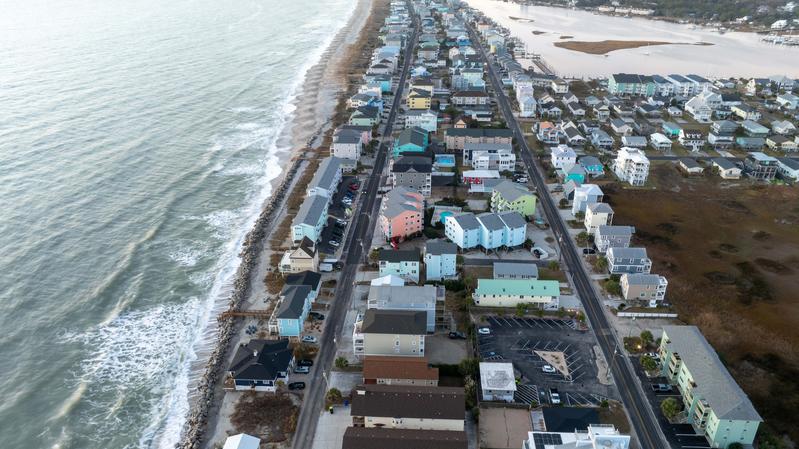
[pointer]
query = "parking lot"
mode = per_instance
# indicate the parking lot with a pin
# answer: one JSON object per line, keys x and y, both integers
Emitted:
{"x": 533, "y": 343}
{"x": 680, "y": 436}
{"x": 337, "y": 211}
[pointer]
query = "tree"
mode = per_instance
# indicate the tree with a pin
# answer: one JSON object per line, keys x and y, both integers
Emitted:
{"x": 561, "y": 312}
{"x": 553, "y": 265}
{"x": 582, "y": 238}
{"x": 373, "y": 255}
{"x": 670, "y": 408}
{"x": 342, "y": 363}
{"x": 540, "y": 313}
{"x": 469, "y": 366}
{"x": 521, "y": 309}
{"x": 601, "y": 263}
{"x": 334, "y": 395}
{"x": 613, "y": 287}
{"x": 528, "y": 244}
{"x": 649, "y": 363}
{"x": 647, "y": 337}
{"x": 563, "y": 203}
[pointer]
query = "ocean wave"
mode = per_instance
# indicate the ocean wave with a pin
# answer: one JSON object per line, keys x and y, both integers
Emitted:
{"x": 188, "y": 253}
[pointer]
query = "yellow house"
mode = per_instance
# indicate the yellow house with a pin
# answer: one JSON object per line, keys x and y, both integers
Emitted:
{"x": 419, "y": 99}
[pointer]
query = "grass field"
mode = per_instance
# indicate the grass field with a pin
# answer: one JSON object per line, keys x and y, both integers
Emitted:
{"x": 731, "y": 253}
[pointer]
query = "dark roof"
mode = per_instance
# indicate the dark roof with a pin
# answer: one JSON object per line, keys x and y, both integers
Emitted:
{"x": 401, "y": 322}
{"x": 470, "y": 93}
{"x": 293, "y": 302}
{"x": 419, "y": 164}
{"x": 631, "y": 78}
{"x": 382, "y": 367}
{"x": 402, "y": 401}
{"x": 689, "y": 163}
{"x": 399, "y": 255}
{"x": 261, "y": 359}
{"x": 375, "y": 437}
{"x": 725, "y": 164}
{"x": 793, "y": 164}
{"x": 414, "y": 135}
{"x": 439, "y": 247}
{"x": 479, "y": 132}
{"x": 309, "y": 278}
{"x": 567, "y": 419}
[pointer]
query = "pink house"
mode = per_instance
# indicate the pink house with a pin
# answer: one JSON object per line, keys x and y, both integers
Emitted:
{"x": 401, "y": 213}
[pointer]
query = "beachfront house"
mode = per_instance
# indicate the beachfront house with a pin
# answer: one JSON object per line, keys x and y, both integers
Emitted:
{"x": 259, "y": 365}
{"x": 310, "y": 219}
{"x": 304, "y": 257}
{"x": 726, "y": 168}
{"x": 649, "y": 289}
{"x": 631, "y": 166}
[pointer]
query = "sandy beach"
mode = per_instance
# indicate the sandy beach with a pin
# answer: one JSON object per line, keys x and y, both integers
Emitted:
{"x": 317, "y": 100}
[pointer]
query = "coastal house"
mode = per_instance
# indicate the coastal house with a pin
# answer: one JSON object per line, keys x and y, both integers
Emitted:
{"x": 489, "y": 156}
{"x": 463, "y": 230}
{"x": 750, "y": 143}
{"x": 591, "y": 436}
{"x": 511, "y": 270}
{"x": 596, "y": 215}
{"x": 242, "y": 441}
{"x": 693, "y": 139}
{"x": 714, "y": 404}
{"x": 649, "y": 289}
{"x": 440, "y": 260}
{"x": 563, "y": 156}
{"x": 660, "y": 142}
{"x": 413, "y": 173}
{"x": 347, "y": 144}
{"x": 469, "y": 97}
{"x": 634, "y": 142}
{"x": 746, "y": 112}
{"x": 592, "y": 165}
{"x": 294, "y": 304}
{"x": 631, "y": 84}
{"x": 584, "y": 196}
{"x": 419, "y": 99}
{"x": 788, "y": 101}
{"x": 326, "y": 179}
{"x": 671, "y": 129}
{"x": 601, "y": 139}
{"x": 783, "y": 127}
{"x": 574, "y": 173}
{"x": 510, "y": 196}
{"x": 788, "y": 169}
{"x": 631, "y": 166}
{"x": 402, "y": 263}
{"x": 390, "y": 370}
{"x": 456, "y": 138}
{"x": 726, "y": 168}
{"x": 304, "y": 257}
{"x": 690, "y": 166}
{"x": 620, "y": 127}
{"x": 489, "y": 230}
{"x": 365, "y": 116}
{"x": 753, "y": 129}
{"x": 259, "y": 365}
{"x": 548, "y": 133}
{"x": 423, "y": 119}
{"x": 779, "y": 142}
{"x": 390, "y": 333}
{"x": 760, "y": 166}
{"x": 401, "y": 214}
{"x": 310, "y": 219}
{"x": 370, "y": 437}
{"x": 628, "y": 260}
{"x": 410, "y": 140}
{"x": 421, "y": 408}
{"x": 572, "y": 134}
{"x": 511, "y": 292}
{"x": 414, "y": 298}
{"x": 601, "y": 112}
{"x": 607, "y": 236}
{"x": 497, "y": 381}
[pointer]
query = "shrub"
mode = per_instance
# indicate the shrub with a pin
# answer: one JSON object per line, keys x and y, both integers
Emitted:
{"x": 647, "y": 337}
{"x": 342, "y": 363}
{"x": 648, "y": 363}
{"x": 334, "y": 395}
{"x": 670, "y": 408}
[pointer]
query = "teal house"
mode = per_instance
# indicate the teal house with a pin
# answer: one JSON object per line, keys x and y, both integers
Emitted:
{"x": 574, "y": 173}
{"x": 631, "y": 84}
{"x": 382, "y": 79}
{"x": 592, "y": 165}
{"x": 291, "y": 313}
{"x": 713, "y": 403}
{"x": 365, "y": 116}
{"x": 671, "y": 129}
{"x": 411, "y": 140}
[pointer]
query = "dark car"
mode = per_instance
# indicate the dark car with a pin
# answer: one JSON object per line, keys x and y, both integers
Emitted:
{"x": 661, "y": 388}
{"x": 317, "y": 316}
{"x": 589, "y": 251}
{"x": 457, "y": 336}
{"x": 305, "y": 362}
{"x": 297, "y": 386}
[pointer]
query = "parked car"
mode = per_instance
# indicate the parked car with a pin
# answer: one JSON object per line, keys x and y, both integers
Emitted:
{"x": 297, "y": 386}
{"x": 661, "y": 388}
{"x": 302, "y": 370}
{"x": 305, "y": 362}
{"x": 334, "y": 243}
{"x": 457, "y": 335}
{"x": 554, "y": 396}
{"x": 316, "y": 316}
{"x": 540, "y": 252}
{"x": 341, "y": 222}
{"x": 309, "y": 339}
{"x": 548, "y": 369}
{"x": 355, "y": 186}
{"x": 654, "y": 355}
{"x": 589, "y": 251}
{"x": 484, "y": 331}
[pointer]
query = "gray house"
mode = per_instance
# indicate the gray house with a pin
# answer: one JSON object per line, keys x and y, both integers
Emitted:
{"x": 509, "y": 270}
{"x": 608, "y": 236}
{"x": 628, "y": 260}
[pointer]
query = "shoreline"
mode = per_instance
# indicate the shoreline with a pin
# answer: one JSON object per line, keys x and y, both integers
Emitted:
{"x": 316, "y": 101}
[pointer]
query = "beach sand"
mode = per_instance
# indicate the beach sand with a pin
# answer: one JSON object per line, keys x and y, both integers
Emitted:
{"x": 317, "y": 101}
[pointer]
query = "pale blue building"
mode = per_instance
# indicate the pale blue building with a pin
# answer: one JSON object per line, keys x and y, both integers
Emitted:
{"x": 440, "y": 260}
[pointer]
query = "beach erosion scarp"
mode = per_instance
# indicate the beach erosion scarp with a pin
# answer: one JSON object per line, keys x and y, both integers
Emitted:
{"x": 306, "y": 134}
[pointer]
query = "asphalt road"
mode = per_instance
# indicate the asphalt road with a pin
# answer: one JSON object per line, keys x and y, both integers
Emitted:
{"x": 356, "y": 247}
{"x": 641, "y": 415}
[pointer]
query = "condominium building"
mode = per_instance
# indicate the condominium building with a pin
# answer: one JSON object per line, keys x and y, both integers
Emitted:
{"x": 631, "y": 166}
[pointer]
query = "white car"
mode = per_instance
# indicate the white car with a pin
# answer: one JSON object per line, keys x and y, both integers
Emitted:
{"x": 334, "y": 243}
{"x": 548, "y": 369}
{"x": 484, "y": 331}
{"x": 309, "y": 339}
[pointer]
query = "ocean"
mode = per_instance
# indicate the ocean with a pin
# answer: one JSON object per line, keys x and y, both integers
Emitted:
{"x": 138, "y": 140}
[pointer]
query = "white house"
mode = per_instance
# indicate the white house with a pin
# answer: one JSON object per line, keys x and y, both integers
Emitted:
{"x": 584, "y": 196}
{"x": 403, "y": 263}
{"x": 608, "y": 236}
{"x": 425, "y": 119}
{"x": 327, "y": 177}
{"x": 596, "y": 215}
{"x": 632, "y": 166}
{"x": 660, "y": 142}
{"x": 242, "y": 441}
{"x": 497, "y": 381}
{"x": 563, "y": 156}
{"x": 347, "y": 144}
{"x": 463, "y": 230}
{"x": 440, "y": 260}
{"x": 311, "y": 218}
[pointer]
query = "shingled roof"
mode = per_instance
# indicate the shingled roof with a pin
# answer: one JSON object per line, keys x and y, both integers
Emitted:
{"x": 402, "y": 401}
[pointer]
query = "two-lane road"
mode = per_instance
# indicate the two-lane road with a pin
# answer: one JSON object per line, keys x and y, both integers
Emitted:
{"x": 641, "y": 415}
{"x": 356, "y": 245}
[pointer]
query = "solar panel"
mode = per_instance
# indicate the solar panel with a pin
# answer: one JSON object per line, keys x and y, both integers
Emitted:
{"x": 541, "y": 439}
